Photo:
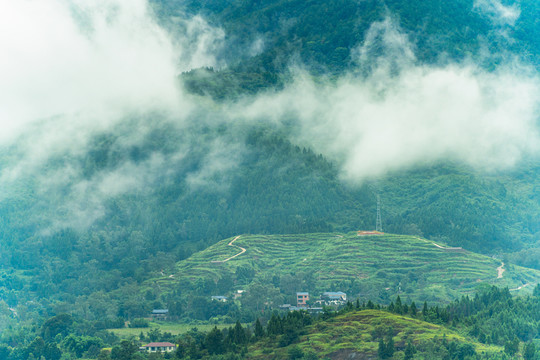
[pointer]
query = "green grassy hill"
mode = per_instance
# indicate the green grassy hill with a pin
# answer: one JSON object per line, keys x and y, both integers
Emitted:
{"x": 357, "y": 334}
{"x": 374, "y": 267}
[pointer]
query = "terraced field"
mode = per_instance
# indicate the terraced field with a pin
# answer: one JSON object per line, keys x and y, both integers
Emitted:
{"x": 374, "y": 267}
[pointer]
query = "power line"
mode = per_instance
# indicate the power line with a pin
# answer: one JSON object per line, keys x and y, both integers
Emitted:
{"x": 378, "y": 225}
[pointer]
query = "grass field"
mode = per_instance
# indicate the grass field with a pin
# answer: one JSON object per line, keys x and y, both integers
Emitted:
{"x": 173, "y": 328}
{"x": 376, "y": 267}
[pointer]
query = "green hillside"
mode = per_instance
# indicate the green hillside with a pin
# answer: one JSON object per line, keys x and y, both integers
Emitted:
{"x": 368, "y": 267}
{"x": 357, "y": 334}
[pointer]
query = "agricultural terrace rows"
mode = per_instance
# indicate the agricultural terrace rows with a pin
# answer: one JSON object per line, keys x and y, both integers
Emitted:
{"x": 377, "y": 266}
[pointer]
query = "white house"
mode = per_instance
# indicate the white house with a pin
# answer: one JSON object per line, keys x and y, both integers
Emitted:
{"x": 159, "y": 347}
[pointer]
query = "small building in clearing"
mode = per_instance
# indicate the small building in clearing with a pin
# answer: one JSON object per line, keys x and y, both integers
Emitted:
{"x": 219, "y": 298}
{"x": 160, "y": 314}
{"x": 334, "y": 296}
{"x": 158, "y": 347}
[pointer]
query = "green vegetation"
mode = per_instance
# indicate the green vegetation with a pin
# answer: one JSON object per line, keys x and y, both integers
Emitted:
{"x": 490, "y": 325}
{"x": 376, "y": 267}
{"x": 173, "y": 328}
{"x": 360, "y": 333}
{"x": 322, "y": 36}
{"x": 161, "y": 246}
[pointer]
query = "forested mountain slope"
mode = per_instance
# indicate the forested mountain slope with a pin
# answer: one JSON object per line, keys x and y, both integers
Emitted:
{"x": 278, "y": 188}
{"x": 325, "y": 35}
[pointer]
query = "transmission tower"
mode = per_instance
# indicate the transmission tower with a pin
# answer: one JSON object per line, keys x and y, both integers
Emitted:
{"x": 378, "y": 225}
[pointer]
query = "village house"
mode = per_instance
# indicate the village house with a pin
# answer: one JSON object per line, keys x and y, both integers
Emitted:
{"x": 334, "y": 296}
{"x": 219, "y": 298}
{"x": 301, "y": 299}
{"x": 160, "y": 314}
{"x": 331, "y": 298}
{"x": 158, "y": 347}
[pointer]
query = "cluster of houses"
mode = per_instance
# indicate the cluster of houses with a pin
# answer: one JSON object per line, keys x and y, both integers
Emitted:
{"x": 328, "y": 298}
{"x": 303, "y": 302}
{"x": 237, "y": 294}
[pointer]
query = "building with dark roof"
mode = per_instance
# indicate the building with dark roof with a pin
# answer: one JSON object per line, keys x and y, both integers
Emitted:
{"x": 160, "y": 314}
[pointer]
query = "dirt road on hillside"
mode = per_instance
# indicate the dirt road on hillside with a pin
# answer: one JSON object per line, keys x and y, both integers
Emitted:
{"x": 232, "y": 257}
{"x": 500, "y": 271}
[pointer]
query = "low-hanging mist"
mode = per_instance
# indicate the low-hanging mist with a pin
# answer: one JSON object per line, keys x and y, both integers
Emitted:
{"x": 80, "y": 74}
{"x": 392, "y": 113}
{"x": 107, "y": 74}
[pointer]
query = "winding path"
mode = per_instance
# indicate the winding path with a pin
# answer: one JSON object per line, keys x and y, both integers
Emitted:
{"x": 520, "y": 287}
{"x": 232, "y": 257}
{"x": 447, "y": 248}
{"x": 500, "y": 271}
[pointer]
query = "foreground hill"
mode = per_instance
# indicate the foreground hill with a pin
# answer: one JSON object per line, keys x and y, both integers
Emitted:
{"x": 366, "y": 266}
{"x": 356, "y": 335}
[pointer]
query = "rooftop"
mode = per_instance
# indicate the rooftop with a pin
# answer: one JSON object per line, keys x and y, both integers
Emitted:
{"x": 160, "y": 311}
{"x": 159, "y": 344}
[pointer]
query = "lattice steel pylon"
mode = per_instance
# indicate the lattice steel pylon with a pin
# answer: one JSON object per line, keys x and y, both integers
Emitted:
{"x": 378, "y": 225}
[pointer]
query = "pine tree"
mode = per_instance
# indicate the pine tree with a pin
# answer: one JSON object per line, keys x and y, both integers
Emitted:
{"x": 398, "y": 307}
{"x": 386, "y": 350}
{"x": 214, "y": 341}
{"x": 409, "y": 351}
{"x": 425, "y": 309}
{"x": 529, "y": 353}
{"x": 259, "y": 331}
{"x": 413, "y": 309}
{"x": 274, "y": 326}
{"x": 536, "y": 291}
{"x": 512, "y": 347}
{"x": 382, "y": 349}
{"x": 390, "y": 348}
{"x": 239, "y": 334}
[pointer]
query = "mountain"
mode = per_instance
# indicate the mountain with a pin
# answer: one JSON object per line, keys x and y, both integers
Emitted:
{"x": 258, "y": 141}
{"x": 323, "y": 35}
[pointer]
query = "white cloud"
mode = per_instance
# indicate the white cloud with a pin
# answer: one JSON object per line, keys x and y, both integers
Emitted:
{"x": 200, "y": 43}
{"x": 77, "y": 69}
{"x": 90, "y": 60}
{"x": 402, "y": 114}
{"x": 218, "y": 165}
{"x": 72, "y": 69}
{"x": 497, "y": 12}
